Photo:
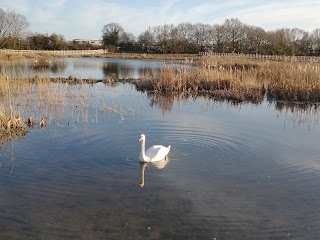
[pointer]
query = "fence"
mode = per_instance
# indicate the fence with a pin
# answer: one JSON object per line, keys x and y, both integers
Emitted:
{"x": 264, "y": 57}
{"x": 56, "y": 52}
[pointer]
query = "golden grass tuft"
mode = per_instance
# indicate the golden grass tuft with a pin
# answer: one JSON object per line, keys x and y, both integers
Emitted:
{"x": 12, "y": 126}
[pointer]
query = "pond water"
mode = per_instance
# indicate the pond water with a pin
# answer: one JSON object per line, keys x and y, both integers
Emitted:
{"x": 234, "y": 171}
{"x": 95, "y": 68}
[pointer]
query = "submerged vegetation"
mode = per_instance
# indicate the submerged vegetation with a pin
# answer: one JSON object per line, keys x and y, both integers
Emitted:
{"x": 239, "y": 79}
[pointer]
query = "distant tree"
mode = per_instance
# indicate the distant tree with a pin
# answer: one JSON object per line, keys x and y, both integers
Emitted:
{"x": 39, "y": 41}
{"x": 255, "y": 40}
{"x": 127, "y": 41}
{"x": 146, "y": 40}
{"x": 315, "y": 40}
{"x": 111, "y": 34}
{"x": 234, "y": 33}
{"x": 295, "y": 35}
{"x": 202, "y": 35}
{"x": 57, "y": 42}
{"x": 219, "y": 43}
{"x": 279, "y": 42}
{"x": 304, "y": 46}
{"x": 165, "y": 36}
{"x": 12, "y": 27}
{"x": 185, "y": 36}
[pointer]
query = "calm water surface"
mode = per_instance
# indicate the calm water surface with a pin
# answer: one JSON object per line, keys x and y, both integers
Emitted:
{"x": 234, "y": 172}
{"x": 96, "y": 68}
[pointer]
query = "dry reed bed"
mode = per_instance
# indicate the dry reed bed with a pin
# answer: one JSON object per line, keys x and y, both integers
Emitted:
{"x": 38, "y": 96}
{"x": 239, "y": 80}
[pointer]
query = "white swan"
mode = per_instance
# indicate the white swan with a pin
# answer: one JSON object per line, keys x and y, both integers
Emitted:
{"x": 154, "y": 153}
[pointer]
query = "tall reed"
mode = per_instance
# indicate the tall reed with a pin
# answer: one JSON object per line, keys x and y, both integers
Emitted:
{"x": 239, "y": 79}
{"x": 39, "y": 97}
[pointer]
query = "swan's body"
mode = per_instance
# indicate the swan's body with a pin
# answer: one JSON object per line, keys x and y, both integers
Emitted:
{"x": 154, "y": 153}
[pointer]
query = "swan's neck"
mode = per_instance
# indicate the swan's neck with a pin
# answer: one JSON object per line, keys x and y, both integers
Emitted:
{"x": 143, "y": 150}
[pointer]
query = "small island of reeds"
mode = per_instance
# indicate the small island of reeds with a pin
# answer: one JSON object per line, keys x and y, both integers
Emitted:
{"x": 239, "y": 79}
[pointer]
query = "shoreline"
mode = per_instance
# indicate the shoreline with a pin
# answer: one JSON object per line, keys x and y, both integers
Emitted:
{"x": 237, "y": 79}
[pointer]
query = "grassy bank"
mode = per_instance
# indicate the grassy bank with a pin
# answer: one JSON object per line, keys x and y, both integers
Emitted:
{"x": 51, "y": 54}
{"x": 239, "y": 79}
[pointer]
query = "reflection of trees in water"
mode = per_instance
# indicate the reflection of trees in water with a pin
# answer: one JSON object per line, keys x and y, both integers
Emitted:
{"x": 148, "y": 72}
{"x": 110, "y": 69}
{"x": 57, "y": 68}
{"x": 163, "y": 101}
{"x": 120, "y": 71}
{"x": 166, "y": 101}
{"x": 16, "y": 70}
{"x": 125, "y": 72}
{"x": 43, "y": 65}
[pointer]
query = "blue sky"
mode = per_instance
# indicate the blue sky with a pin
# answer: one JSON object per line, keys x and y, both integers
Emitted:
{"x": 85, "y": 19}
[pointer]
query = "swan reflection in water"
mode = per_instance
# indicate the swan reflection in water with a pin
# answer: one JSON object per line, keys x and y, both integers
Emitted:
{"x": 159, "y": 165}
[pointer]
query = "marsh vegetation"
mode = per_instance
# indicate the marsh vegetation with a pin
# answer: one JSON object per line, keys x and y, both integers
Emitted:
{"x": 79, "y": 157}
{"x": 221, "y": 78}
{"x": 240, "y": 79}
{"x": 39, "y": 97}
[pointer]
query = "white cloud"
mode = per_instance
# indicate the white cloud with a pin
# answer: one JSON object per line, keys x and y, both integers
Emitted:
{"x": 85, "y": 19}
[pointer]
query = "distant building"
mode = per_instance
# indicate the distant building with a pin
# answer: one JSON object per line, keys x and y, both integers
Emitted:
{"x": 91, "y": 42}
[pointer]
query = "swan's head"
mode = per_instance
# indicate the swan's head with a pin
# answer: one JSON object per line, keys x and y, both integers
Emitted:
{"x": 142, "y": 137}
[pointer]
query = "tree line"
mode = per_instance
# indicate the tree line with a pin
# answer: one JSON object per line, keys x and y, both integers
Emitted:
{"x": 14, "y": 34}
{"x": 230, "y": 36}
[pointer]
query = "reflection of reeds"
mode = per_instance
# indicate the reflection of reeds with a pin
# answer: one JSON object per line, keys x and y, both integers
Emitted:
{"x": 240, "y": 80}
{"x": 299, "y": 114}
{"x": 306, "y": 114}
{"x": 118, "y": 110}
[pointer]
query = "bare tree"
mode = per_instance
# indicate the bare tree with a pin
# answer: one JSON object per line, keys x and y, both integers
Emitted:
{"x": 234, "y": 33}
{"x": 12, "y": 27}
{"x": 305, "y": 44}
{"x": 127, "y": 41}
{"x": 295, "y": 35}
{"x": 185, "y": 31}
{"x": 163, "y": 37}
{"x": 279, "y": 41}
{"x": 255, "y": 40}
{"x": 202, "y": 35}
{"x": 315, "y": 38}
{"x": 146, "y": 39}
{"x": 111, "y": 34}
